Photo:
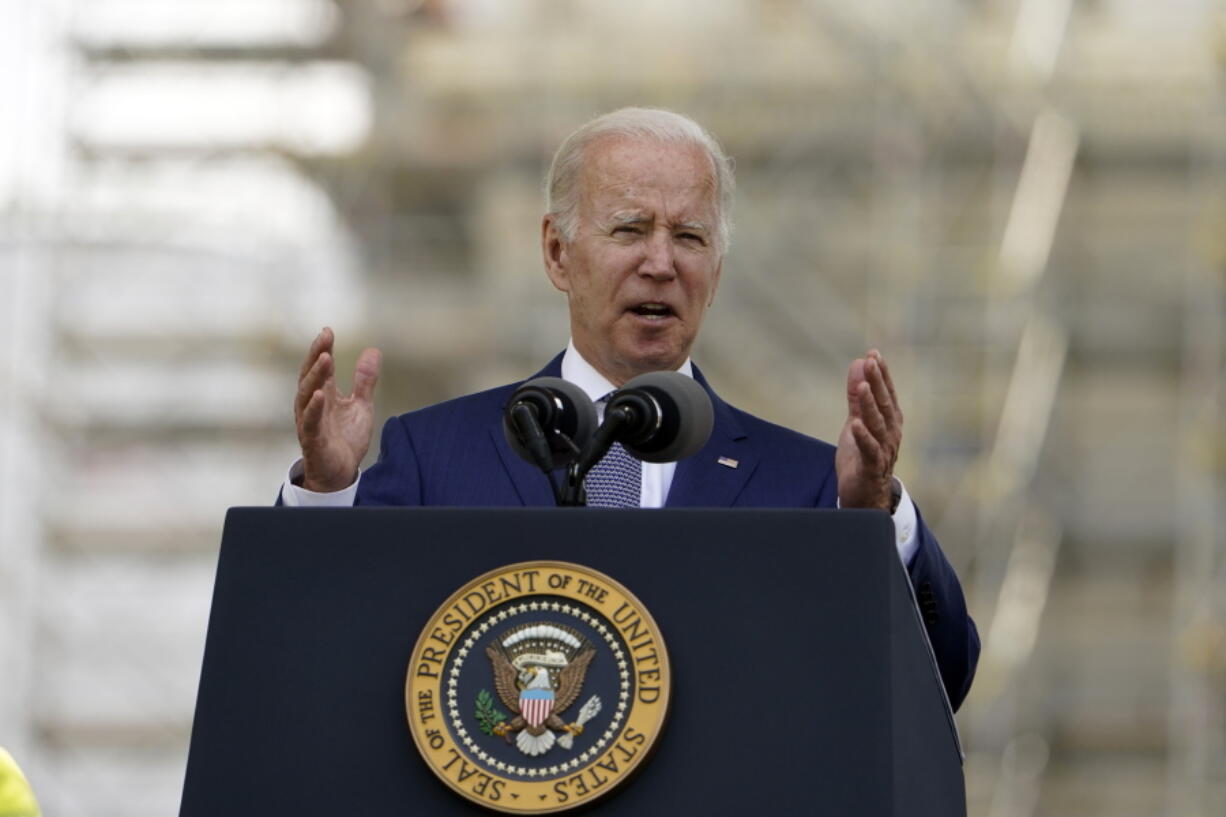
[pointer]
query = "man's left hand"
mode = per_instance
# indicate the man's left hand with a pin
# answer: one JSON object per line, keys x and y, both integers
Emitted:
{"x": 871, "y": 437}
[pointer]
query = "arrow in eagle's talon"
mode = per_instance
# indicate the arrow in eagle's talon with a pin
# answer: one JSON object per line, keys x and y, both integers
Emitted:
{"x": 589, "y": 711}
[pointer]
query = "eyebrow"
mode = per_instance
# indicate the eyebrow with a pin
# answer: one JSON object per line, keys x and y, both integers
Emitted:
{"x": 629, "y": 218}
{"x": 639, "y": 218}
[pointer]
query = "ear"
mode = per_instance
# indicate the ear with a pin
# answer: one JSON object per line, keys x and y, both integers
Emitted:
{"x": 554, "y": 250}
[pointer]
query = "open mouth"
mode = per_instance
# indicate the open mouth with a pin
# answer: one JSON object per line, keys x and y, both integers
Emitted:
{"x": 652, "y": 311}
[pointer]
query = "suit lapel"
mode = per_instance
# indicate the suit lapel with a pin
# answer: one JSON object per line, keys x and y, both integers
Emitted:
{"x": 716, "y": 475}
{"x": 531, "y": 485}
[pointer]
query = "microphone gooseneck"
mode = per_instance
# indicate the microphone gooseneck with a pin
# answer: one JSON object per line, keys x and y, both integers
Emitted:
{"x": 527, "y": 425}
{"x": 657, "y": 417}
{"x": 546, "y": 421}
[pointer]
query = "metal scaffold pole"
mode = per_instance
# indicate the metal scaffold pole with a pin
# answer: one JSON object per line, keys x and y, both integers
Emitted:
{"x": 1196, "y": 778}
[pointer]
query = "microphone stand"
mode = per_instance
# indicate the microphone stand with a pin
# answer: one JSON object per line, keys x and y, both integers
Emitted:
{"x": 532, "y": 436}
{"x": 572, "y": 493}
{"x": 634, "y": 415}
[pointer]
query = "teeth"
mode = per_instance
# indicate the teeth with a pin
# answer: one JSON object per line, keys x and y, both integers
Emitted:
{"x": 652, "y": 311}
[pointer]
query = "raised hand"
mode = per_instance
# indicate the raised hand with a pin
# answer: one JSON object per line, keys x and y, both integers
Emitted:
{"x": 333, "y": 429}
{"x": 871, "y": 437}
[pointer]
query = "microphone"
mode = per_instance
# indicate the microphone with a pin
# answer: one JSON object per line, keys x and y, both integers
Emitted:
{"x": 546, "y": 420}
{"x": 657, "y": 417}
{"x": 667, "y": 416}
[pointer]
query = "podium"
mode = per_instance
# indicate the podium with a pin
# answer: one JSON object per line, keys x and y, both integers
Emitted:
{"x": 802, "y": 680}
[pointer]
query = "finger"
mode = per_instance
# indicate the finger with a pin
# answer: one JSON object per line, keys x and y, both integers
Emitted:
{"x": 312, "y": 414}
{"x": 881, "y": 394}
{"x": 322, "y": 343}
{"x": 315, "y": 379}
{"x": 870, "y": 449}
{"x": 889, "y": 382}
{"x": 366, "y": 374}
{"x": 855, "y": 376}
{"x": 870, "y": 414}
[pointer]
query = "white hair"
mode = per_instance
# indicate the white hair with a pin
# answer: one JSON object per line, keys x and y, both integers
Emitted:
{"x": 562, "y": 183}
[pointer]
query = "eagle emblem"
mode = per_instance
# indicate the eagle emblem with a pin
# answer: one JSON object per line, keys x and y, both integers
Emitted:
{"x": 538, "y": 673}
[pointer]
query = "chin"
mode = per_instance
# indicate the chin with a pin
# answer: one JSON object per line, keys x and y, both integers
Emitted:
{"x": 642, "y": 361}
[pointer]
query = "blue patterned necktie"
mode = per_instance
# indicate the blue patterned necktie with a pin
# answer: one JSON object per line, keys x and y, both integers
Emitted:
{"x": 615, "y": 481}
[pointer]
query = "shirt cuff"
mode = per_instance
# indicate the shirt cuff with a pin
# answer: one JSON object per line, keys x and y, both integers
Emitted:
{"x": 295, "y": 496}
{"x": 906, "y": 524}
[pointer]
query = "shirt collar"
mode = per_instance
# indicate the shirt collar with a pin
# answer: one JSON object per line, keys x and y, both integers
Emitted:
{"x": 594, "y": 384}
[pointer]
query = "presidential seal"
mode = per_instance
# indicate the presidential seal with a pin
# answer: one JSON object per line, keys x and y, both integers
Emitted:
{"x": 538, "y": 687}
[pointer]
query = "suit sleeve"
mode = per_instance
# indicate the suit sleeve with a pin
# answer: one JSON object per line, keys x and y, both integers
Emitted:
{"x": 952, "y": 633}
{"x": 395, "y": 479}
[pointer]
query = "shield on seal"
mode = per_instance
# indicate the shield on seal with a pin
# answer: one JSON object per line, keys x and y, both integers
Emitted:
{"x": 535, "y": 705}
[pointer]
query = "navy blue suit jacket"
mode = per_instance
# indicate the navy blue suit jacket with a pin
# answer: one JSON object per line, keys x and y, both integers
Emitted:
{"x": 430, "y": 457}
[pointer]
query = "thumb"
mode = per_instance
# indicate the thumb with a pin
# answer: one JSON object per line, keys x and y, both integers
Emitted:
{"x": 366, "y": 374}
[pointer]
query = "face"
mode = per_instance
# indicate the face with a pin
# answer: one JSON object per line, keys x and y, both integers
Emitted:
{"x": 643, "y": 267}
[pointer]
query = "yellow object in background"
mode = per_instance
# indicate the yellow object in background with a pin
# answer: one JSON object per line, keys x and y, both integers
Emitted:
{"x": 16, "y": 796}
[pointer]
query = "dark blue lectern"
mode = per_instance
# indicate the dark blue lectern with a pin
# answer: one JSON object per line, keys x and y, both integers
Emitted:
{"x": 803, "y": 683}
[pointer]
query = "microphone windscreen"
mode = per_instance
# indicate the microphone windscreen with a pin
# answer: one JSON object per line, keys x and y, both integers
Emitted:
{"x": 686, "y": 416}
{"x": 561, "y": 407}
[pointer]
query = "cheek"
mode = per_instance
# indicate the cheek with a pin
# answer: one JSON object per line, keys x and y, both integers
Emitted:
{"x": 590, "y": 303}
{"x": 599, "y": 290}
{"x": 704, "y": 286}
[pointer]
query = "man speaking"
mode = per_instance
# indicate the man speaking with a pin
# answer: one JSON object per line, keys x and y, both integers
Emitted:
{"x": 636, "y": 228}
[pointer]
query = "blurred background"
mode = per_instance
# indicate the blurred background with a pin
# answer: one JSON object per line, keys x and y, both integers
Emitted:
{"x": 1022, "y": 202}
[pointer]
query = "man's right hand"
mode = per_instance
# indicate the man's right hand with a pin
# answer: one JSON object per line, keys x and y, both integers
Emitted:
{"x": 333, "y": 429}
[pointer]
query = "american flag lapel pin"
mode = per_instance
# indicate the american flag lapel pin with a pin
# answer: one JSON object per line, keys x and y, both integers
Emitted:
{"x": 728, "y": 462}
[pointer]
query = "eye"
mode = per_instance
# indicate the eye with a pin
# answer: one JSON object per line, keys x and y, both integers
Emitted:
{"x": 694, "y": 237}
{"x": 626, "y": 229}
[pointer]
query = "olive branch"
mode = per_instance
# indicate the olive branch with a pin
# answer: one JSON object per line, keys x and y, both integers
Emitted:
{"x": 488, "y": 715}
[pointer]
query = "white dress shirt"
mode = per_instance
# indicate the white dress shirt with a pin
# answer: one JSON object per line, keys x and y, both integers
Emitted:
{"x": 657, "y": 477}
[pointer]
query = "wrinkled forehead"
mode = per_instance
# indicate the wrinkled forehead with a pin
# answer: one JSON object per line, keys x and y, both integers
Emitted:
{"x": 646, "y": 170}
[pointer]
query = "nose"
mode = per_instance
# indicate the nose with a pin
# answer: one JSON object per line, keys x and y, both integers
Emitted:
{"x": 659, "y": 258}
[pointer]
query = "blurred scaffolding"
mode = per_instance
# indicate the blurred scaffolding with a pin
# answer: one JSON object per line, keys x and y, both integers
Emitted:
{"x": 1021, "y": 202}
